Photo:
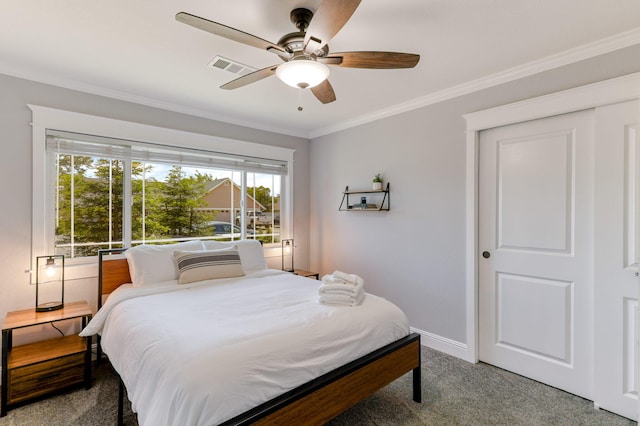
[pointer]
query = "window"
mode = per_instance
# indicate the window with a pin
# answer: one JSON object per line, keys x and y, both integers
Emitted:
{"x": 103, "y": 190}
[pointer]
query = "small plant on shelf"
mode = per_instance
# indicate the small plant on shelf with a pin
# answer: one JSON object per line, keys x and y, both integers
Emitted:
{"x": 377, "y": 182}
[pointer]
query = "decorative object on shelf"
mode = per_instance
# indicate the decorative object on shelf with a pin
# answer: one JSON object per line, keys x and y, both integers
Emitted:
{"x": 49, "y": 271}
{"x": 380, "y": 200}
{"x": 287, "y": 253}
{"x": 377, "y": 182}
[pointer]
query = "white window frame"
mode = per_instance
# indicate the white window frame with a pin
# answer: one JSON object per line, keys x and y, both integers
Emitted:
{"x": 44, "y": 118}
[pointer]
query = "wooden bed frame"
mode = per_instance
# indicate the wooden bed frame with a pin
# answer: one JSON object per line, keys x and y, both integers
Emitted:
{"x": 317, "y": 401}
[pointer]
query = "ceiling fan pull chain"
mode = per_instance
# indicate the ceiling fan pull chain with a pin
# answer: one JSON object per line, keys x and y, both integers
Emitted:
{"x": 300, "y": 107}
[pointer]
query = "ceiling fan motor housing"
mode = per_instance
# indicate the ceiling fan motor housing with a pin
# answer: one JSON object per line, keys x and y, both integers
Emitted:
{"x": 294, "y": 42}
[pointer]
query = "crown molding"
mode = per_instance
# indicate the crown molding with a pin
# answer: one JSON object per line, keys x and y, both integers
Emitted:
{"x": 141, "y": 100}
{"x": 590, "y": 50}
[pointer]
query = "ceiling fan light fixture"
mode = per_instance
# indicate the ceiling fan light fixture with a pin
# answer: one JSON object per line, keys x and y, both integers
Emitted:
{"x": 302, "y": 72}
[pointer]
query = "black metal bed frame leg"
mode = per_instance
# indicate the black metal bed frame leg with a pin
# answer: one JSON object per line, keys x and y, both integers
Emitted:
{"x": 120, "y": 404}
{"x": 417, "y": 385}
{"x": 417, "y": 378}
{"x": 98, "y": 350}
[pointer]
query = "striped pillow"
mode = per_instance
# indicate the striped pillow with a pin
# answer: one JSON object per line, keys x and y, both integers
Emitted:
{"x": 206, "y": 265}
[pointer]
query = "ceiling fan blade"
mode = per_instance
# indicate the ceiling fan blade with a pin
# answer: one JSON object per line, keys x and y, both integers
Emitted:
{"x": 324, "y": 92}
{"x": 250, "y": 78}
{"x": 327, "y": 21}
{"x": 375, "y": 60}
{"x": 228, "y": 32}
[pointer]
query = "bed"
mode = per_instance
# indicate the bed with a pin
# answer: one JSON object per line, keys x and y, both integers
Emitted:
{"x": 251, "y": 349}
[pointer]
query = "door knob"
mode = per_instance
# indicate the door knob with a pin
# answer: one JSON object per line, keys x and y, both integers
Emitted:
{"x": 486, "y": 254}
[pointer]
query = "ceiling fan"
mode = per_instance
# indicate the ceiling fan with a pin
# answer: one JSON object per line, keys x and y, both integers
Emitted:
{"x": 306, "y": 53}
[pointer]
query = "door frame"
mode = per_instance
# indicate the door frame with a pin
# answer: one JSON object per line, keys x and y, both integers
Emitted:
{"x": 620, "y": 89}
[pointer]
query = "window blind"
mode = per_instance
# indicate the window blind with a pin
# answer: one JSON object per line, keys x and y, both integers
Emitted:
{"x": 110, "y": 148}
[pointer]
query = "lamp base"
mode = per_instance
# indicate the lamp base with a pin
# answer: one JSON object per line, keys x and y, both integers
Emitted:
{"x": 49, "y": 306}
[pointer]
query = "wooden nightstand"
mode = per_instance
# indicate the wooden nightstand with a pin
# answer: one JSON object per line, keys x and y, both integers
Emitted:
{"x": 36, "y": 369}
{"x": 307, "y": 274}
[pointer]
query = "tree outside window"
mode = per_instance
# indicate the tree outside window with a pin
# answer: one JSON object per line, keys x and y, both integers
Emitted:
{"x": 167, "y": 205}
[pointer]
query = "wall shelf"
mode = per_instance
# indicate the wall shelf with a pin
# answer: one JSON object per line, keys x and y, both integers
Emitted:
{"x": 381, "y": 200}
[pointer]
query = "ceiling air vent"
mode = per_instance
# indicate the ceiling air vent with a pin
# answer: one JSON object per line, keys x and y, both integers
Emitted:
{"x": 230, "y": 65}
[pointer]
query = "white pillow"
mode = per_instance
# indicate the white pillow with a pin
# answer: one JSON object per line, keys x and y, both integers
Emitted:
{"x": 208, "y": 264}
{"x": 251, "y": 253}
{"x": 149, "y": 264}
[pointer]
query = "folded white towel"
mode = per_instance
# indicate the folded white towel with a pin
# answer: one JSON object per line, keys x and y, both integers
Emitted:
{"x": 331, "y": 279}
{"x": 341, "y": 288}
{"x": 341, "y": 299}
{"x": 348, "y": 289}
{"x": 349, "y": 278}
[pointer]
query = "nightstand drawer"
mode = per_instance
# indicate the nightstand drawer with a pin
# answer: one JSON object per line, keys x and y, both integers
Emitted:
{"x": 38, "y": 379}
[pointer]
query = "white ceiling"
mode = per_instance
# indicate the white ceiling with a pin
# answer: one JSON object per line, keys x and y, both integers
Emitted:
{"x": 137, "y": 51}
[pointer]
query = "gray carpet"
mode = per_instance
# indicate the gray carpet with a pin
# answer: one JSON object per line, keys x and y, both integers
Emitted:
{"x": 454, "y": 393}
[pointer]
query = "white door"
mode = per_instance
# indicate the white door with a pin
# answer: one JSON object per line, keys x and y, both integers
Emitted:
{"x": 617, "y": 223}
{"x": 536, "y": 227}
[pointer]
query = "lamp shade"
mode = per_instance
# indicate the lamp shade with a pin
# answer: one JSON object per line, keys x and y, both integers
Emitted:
{"x": 49, "y": 283}
{"x": 302, "y": 72}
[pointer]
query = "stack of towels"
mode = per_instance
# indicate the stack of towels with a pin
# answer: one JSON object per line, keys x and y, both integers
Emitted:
{"x": 341, "y": 288}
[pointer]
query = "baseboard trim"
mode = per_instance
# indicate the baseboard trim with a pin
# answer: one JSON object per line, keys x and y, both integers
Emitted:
{"x": 443, "y": 344}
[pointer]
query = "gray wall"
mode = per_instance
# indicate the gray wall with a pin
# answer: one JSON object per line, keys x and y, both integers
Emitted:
{"x": 414, "y": 255}
{"x": 16, "y": 178}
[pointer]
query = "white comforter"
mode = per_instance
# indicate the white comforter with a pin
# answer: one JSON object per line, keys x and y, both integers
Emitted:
{"x": 203, "y": 353}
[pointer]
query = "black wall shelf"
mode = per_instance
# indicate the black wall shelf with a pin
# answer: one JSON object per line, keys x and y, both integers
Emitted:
{"x": 380, "y": 195}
